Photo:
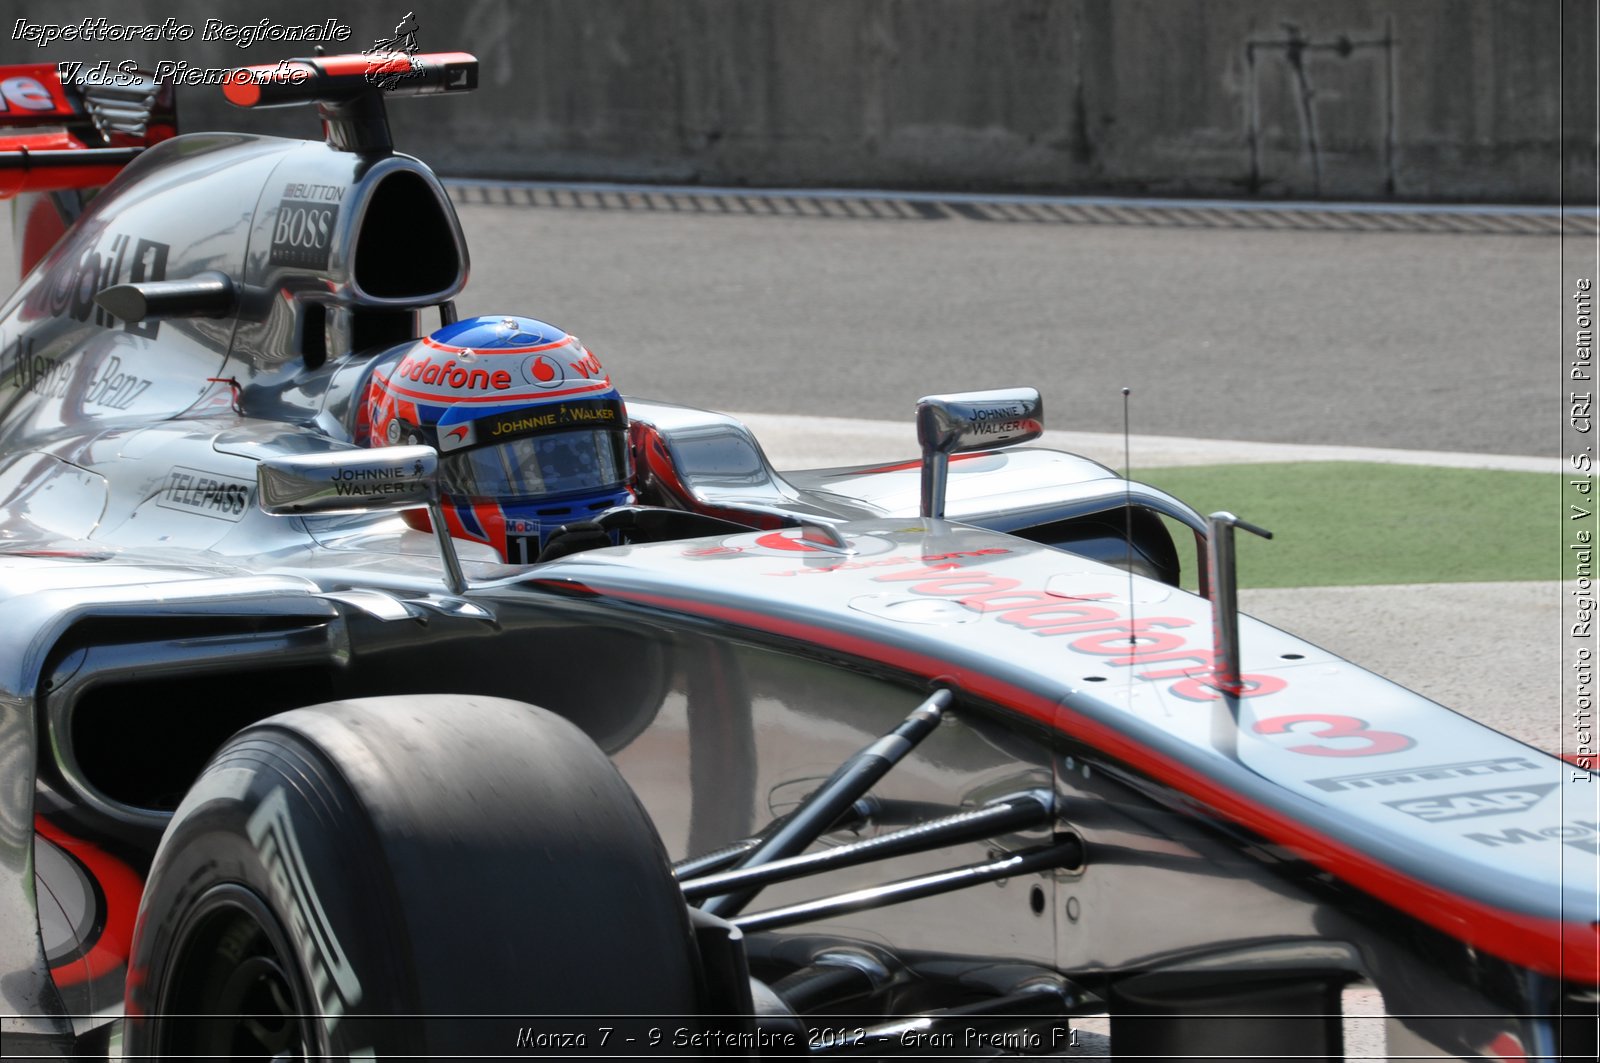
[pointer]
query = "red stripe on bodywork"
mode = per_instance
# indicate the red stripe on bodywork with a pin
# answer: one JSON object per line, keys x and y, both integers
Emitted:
{"x": 916, "y": 463}
{"x": 42, "y": 231}
{"x": 394, "y": 62}
{"x": 1563, "y": 950}
{"x": 122, "y": 888}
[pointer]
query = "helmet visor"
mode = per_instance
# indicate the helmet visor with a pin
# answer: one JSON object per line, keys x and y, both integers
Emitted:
{"x": 569, "y": 461}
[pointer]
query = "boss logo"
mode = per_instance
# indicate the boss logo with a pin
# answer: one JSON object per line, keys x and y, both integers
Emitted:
{"x": 302, "y": 234}
{"x": 1473, "y": 803}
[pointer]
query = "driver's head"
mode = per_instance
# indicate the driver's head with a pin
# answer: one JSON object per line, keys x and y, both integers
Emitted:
{"x": 531, "y": 434}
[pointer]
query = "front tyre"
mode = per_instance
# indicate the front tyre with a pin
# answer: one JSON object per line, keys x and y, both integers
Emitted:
{"x": 418, "y": 876}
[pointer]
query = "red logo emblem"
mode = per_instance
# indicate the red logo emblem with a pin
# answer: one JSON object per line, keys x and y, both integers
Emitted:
{"x": 779, "y": 541}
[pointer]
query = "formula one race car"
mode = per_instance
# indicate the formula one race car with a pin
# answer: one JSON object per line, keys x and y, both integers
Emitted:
{"x": 929, "y": 757}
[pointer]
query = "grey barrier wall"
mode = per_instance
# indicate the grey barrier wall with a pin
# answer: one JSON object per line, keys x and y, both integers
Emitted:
{"x": 1360, "y": 99}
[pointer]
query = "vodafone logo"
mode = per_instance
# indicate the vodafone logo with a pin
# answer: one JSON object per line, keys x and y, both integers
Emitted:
{"x": 792, "y": 542}
{"x": 448, "y": 374}
{"x": 25, "y": 94}
{"x": 1094, "y": 628}
{"x": 713, "y": 551}
{"x": 543, "y": 372}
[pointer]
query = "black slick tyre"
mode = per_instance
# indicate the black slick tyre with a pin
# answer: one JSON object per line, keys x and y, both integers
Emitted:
{"x": 406, "y": 876}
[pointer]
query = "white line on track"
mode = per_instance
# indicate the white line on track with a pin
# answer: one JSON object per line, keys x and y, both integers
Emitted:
{"x": 798, "y": 442}
{"x": 1003, "y": 198}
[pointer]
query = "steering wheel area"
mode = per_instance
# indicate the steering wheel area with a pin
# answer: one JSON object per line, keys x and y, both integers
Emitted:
{"x": 634, "y": 524}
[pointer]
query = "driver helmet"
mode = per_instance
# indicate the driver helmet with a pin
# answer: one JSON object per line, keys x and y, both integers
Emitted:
{"x": 531, "y": 433}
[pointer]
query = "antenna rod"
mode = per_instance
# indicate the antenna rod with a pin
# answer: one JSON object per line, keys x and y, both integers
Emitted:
{"x": 1127, "y": 508}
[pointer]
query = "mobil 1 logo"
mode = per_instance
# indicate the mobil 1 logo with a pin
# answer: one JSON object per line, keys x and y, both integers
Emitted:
{"x": 302, "y": 229}
{"x": 1583, "y": 835}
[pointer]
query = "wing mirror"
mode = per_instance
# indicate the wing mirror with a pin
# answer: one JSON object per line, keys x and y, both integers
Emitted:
{"x": 207, "y": 294}
{"x": 969, "y": 421}
{"x": 382, "y": 480}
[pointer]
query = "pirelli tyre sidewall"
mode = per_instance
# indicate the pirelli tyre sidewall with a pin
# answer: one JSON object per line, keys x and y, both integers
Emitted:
{"x": 417, "y": 875}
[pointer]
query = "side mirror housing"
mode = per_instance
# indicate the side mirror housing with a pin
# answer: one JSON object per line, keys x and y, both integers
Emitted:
{"x": 969, "y": 421}
{"x": 381, "y": 480}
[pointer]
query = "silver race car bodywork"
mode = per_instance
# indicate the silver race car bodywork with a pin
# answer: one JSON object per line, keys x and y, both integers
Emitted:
{"x": 1112, "y": 822}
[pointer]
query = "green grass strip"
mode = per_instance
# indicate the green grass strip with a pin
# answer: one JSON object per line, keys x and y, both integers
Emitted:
{"x": 1356, "y": 523}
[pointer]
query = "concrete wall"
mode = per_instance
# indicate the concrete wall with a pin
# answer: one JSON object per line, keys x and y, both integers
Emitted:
{"x": 1367, "y": 99}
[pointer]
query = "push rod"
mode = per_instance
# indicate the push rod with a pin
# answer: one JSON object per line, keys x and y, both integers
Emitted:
{"x": 1015, "y": 813}
{"x": 818, "y": 812}
{"x": 1067, "y": 853}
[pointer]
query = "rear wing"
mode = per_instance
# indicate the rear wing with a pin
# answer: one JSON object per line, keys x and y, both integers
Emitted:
{"x": 349, "y": 90}
{"x": 32, "y": 94}
{"x": 72, "y": 127}
{"x": 69, "y": 128}
{"x": 65, "y": 131}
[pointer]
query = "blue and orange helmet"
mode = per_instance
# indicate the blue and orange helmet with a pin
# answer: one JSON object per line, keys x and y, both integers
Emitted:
{"x": 531, "y": 433}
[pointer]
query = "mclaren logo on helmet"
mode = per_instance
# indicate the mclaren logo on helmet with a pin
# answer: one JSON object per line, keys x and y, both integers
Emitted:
{"x": 457, "y": 436}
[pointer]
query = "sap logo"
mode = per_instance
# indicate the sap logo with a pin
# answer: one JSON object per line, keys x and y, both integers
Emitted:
{"x": 1583, "y": 834}
{"x": 1473, "y": 803}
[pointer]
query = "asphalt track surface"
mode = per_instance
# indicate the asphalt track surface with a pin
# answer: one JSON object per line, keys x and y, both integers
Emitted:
{"x": 1280, "y": 326}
